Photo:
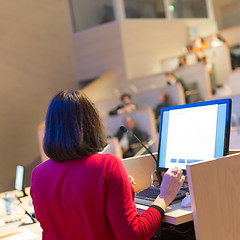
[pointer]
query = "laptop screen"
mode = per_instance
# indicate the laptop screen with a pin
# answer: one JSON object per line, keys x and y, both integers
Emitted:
{"x": 19, "y": 178}
{"x": 193, "y": 132}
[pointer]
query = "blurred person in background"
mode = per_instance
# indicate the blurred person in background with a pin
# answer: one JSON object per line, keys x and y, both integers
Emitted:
{"x": 163, "y": 101}
{"x": 126, "y": 107}
{"x": 129, "y": 144}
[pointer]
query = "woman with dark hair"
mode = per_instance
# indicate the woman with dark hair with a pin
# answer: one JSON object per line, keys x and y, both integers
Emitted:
{"x": 73, "y": 127}
{"x": 82, "y": 194}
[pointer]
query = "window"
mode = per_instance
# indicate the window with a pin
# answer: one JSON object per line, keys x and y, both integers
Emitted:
{"x": 90, "y": 13}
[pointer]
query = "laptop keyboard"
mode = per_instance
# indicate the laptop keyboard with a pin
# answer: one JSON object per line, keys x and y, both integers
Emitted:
{"x": 147, "y": 196}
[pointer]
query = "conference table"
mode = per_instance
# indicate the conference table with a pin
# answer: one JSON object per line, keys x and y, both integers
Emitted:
{"x": 12, "y": 216}
{"x": 10, "y": 228}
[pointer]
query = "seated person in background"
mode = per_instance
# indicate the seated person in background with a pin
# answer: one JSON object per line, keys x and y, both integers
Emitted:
{"x": 172, "y": 80}
{"x": 81, "y": 194}
{"x": 210, "y": 68}
{"x": 191, "y": 56}
{"x": 163, "y": 101}
{"x": 182, "y": 61}
{"x": 201, "y": 57}
{"x": 189, "y": 48}
{"x": 128, "y": 142}
{"x": 200, "y": 45}
{"x": 126, "y": 107}
{"x": 217, "y": 40}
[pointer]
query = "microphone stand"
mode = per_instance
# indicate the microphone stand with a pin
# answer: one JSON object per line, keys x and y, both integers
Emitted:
{"x": 124, "y": 129}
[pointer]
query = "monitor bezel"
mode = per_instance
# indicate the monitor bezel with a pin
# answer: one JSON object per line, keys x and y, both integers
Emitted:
{"x": 227, "y": 101}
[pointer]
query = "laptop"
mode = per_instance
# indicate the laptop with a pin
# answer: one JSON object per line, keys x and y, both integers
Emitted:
{"x": 19, "y": 180}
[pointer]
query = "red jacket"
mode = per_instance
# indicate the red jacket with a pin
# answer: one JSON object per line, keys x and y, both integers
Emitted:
{"x": 90, "y": 199}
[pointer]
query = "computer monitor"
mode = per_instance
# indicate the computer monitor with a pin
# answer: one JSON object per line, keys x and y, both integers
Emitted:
{"x": 193, "y": 133}
{"x": 19, "y": 180}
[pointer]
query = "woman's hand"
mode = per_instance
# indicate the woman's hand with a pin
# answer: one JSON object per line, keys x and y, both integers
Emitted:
{"x": 132, "y": 180}
{"x": 171, "y": 184}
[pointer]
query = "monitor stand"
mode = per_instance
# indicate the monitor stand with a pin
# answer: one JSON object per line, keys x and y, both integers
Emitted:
{"x": 19, "y": 197}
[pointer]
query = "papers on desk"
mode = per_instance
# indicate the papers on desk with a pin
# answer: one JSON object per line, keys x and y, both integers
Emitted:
{"x": 18, "y": 235}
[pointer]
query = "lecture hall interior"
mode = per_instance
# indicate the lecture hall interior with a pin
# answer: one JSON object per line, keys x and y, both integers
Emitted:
{"x": 107, "y": 48}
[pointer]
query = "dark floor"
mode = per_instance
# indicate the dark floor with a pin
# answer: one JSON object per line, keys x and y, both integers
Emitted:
{"x": 171, "y": 232}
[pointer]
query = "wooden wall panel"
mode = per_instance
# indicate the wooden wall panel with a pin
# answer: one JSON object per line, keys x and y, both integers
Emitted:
{"x": 199, "y": 27}
{"x": 36, "y": 61}
{"x": 219, "y": 9}
{"x": 220, "y": 58}
{"x": 103, "y": 87}
{"x": 215, "y": 197}
{"x": 234, "y": 81}
{"x": 132, "y": 48}
{"x": 231, "y": 35}
{"x": 196, "y": 74}
{"x": 99, "y": 50}
{"x": 146, "y": 42}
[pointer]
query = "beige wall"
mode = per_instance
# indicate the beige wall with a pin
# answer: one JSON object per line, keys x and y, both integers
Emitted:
{"x": 99, "y": 50}
{"x": 145, "y": 43}
{"x": 204, "y": 27}
{"x": 222, "y": 14}
{"x": 230, "y": 14}
{"x": 231, "y": 35}
{"x": 36, "y": 61}
{"x": 132, "y": 48}
{"x": 103, "y": 87}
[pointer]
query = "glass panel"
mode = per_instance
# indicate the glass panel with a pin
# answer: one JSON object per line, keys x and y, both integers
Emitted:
{"x": 90, "y": 13}
{"x": 158, "y": 8}
{"x": 188, "y": 8}
{"x": 144, "y": 8}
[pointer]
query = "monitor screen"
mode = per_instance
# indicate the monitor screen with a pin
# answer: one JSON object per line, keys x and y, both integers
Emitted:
{"x": 193, "y": 132}
{"x": 19, "y": 178}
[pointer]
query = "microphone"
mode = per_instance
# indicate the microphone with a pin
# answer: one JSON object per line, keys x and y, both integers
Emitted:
{"x": 124, "y": 129}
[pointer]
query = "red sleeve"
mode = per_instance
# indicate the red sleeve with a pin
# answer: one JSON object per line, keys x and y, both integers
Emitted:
{"x": 121, "y": 209}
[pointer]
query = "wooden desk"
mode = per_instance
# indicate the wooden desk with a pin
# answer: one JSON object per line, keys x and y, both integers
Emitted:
{"x": 215, "y": 198}
{"x": 29, "y": 232}
{"x": 13, "y": 230}
{"x": 141, "y": 168}
{"x": 175, "y": 214}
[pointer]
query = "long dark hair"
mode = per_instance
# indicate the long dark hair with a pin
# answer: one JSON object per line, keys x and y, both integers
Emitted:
{"x": 73, "y": 128}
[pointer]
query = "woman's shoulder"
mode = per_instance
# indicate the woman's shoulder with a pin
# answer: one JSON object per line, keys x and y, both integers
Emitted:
{"x": 106, "y": 160}
{"x": 44, "y": 165}
{"x": 105, "y": 157}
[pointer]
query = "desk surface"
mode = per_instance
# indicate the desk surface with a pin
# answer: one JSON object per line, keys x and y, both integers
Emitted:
{"x": 14, "y": 232}
{"x": 175, "y": 214}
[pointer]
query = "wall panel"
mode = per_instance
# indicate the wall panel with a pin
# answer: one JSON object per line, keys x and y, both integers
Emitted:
{"x": 36, "y": 61}
{"x": 146, "y": 42}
